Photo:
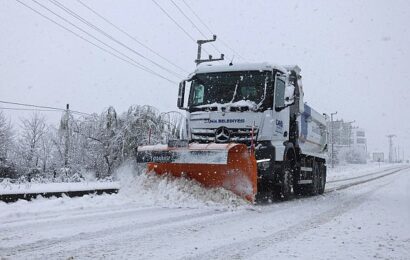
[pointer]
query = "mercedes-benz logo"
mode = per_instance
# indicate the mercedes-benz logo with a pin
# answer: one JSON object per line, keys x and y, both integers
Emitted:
{"x": 222, "y": 134}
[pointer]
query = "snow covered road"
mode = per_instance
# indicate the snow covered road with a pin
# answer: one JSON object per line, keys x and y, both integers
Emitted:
{"x": 367, "y": 220}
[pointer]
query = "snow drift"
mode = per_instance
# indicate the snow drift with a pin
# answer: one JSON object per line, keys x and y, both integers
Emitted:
{"x": 152, "y": 189}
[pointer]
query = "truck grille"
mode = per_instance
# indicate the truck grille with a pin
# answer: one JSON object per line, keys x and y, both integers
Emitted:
{"x": 237, "y": 135}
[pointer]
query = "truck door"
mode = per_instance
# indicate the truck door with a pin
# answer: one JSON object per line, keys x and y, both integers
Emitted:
{"x": 281, "y": 116}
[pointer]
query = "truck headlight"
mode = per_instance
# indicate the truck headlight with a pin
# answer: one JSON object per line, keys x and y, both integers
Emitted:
{"x": 263, "y": 163}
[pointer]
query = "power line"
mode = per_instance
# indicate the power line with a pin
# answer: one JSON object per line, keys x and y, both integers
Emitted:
{"x": 189, "y": 19}
{"x": 43, "y": 107}
{"x": 175, "y": 22}
{"x": 28, "y": 109}
{"x": 78, "y": 35}
{"x": 136, "y": 64}
{"x": 209, "y": 29}
{"x": 87, "y": 33}
{"x": 192, "y": 23}
{"x": 75, "y": 15}
{"x": 130, "y": 36}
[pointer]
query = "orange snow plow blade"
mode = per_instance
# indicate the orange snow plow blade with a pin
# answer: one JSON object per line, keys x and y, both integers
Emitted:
{"x": 230, "y": 166}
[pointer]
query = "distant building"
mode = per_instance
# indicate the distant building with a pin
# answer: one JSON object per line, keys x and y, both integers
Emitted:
{"x": 350, "y": 143}
{"x": 378, "y": 157}
{"x": 360, "y": 140}
{"x": 342, "y": 133}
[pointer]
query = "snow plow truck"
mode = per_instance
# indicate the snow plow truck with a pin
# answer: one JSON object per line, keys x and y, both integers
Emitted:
{"x": 248, "y": 130}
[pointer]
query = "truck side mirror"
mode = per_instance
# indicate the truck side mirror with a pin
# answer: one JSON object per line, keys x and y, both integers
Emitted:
{"x": 181, "y": 95}
{"x": 289, "y": 95}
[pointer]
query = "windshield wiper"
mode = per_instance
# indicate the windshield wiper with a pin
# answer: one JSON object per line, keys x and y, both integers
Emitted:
{"x": 228, "y": 107}
{"x": 264, "y": 94}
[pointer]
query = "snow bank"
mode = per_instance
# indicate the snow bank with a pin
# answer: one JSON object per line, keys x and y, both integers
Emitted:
{"x": 152, "y": 189}
{"x": 354, "y": 170}
{"x": 137, "y": 189}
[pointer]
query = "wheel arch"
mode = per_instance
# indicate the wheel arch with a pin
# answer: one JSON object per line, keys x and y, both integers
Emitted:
{"x": 290, "y": 151}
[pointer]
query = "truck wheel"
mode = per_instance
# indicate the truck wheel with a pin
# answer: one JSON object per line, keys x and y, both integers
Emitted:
{"x": 264, "y": 194}
{"x": 284, "y": 190}
{"x": 314, "y": 187}
{"x": 298, "y": 189}
{"x": 322, "y": 179}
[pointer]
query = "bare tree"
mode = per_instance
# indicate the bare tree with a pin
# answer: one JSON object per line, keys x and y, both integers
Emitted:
{"x": 97, "y": 143}
{"x": 33, "y": 129}
{"x": 173, "y": 123}
{"x": 45, "y": 150}
{"x": 6, "y": 137}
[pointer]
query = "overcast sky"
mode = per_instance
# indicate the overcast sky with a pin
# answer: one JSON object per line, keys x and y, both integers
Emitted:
{"x": 354, "y": 55}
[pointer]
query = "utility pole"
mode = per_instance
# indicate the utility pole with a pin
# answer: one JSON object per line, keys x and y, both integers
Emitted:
{"x": 395, "y": 155}
{"x": 333, "y": 138}
{"x": 198, "y": 57}
{"x": 391, "y": 147}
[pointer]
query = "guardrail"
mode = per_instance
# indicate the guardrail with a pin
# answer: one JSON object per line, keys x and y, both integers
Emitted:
{"x": 29, "y": 196}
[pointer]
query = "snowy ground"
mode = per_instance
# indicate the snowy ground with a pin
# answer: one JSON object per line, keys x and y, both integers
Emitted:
{"x": 163, "y": 218}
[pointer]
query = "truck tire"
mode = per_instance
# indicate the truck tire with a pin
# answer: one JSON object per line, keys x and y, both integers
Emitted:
{"x": 313, "y": 188}
{"x": 322, "y": 179}
{"x": 284, "y": 189}
{"x": 298, "y": 189}
{"x": 265, "y": 191}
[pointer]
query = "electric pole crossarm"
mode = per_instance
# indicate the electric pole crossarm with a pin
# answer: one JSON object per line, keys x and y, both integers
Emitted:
{"x": 198, "y": 57}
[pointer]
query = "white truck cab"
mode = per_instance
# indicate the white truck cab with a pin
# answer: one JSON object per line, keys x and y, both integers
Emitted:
{"x": 261, "y": 105}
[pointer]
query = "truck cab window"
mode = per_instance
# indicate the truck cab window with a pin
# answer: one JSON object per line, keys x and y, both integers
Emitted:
{"x": 279, "y": 93}
{"x": 248, "y": 92}
{"x": 198, "y": 94}
{"x": 230, "y": 88}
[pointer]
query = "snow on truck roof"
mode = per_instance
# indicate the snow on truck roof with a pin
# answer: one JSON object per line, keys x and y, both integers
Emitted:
{"x": 209, "y": 68}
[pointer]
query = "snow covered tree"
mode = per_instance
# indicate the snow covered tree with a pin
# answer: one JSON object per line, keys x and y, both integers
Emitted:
{"x": 7, "y": 168}
{"x": 46, "y": 151}
{"x": 96, "y": 143}
{"x": 6, "y": 137}
{"x": 109, "y": 137}
{"x": 29, "y": 144}
{"x": 173, "y": 124}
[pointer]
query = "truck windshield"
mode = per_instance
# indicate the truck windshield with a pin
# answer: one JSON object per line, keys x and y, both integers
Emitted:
{"x": 240, "y": 89}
